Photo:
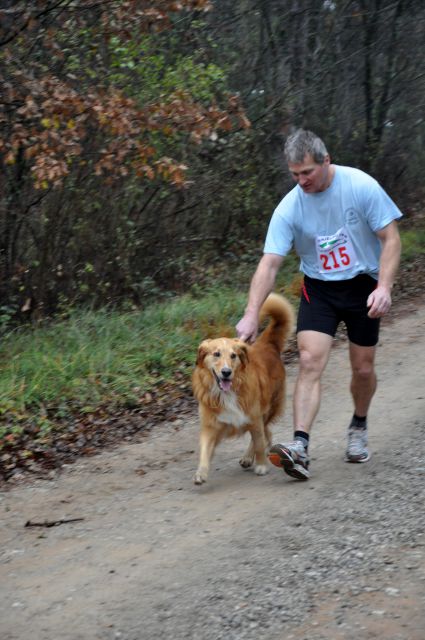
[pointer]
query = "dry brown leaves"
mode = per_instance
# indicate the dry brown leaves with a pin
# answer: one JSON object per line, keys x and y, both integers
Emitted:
{"x": 55, "y": 124}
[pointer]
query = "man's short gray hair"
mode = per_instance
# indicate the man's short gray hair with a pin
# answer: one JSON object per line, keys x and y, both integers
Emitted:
{"x": 304, "y": 142}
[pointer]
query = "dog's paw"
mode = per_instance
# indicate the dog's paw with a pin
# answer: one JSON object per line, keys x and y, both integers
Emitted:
{"x": 246, "y": 462}
{"x": 199, "y": 478}
{"x": 261, "y": 469}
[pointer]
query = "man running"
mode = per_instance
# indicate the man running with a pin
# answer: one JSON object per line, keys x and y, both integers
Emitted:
{"x": 342, "y": 225}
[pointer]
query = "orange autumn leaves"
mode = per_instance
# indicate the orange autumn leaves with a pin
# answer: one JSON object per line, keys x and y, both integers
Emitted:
{"x": 55, "y": 125}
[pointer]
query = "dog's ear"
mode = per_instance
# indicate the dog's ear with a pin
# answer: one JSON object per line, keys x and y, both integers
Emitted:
{"x": 242, "y": 351}
{"x": 202, "y": 352}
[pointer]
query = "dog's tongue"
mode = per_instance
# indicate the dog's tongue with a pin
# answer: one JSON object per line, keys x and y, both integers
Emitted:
{"x": 225, "y": 385}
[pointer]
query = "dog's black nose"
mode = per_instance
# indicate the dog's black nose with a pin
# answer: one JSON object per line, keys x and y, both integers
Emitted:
{"x": 226, "y": 372}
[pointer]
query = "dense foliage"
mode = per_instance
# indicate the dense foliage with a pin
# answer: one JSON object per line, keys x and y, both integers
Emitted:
{"x": 141, "y": 140}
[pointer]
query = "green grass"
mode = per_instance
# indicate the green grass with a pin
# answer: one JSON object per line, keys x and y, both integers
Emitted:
{"x": 413, "y": 243}
{"x": 101, "y": 357}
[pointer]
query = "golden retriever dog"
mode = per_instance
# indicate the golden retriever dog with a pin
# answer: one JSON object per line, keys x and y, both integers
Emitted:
{"x": 241, "y": 387}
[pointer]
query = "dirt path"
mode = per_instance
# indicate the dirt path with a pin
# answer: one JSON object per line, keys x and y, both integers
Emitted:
{"x": 244, "y": 557}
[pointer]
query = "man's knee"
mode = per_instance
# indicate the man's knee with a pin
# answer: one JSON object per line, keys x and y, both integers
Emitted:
{"x": 364, "y": 371}
{"x": 362, "y": 362}
{"x": 311, "y": 363}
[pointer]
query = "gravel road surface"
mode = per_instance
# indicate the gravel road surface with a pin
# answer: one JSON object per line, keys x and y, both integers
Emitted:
{"x": 151, "y": 556}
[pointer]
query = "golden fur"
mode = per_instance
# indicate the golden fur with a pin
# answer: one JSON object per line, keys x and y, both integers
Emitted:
{"x": 241, "y": 387}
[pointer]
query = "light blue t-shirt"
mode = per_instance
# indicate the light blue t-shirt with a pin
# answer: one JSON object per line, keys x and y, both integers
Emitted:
{"x": 333, "y": 231}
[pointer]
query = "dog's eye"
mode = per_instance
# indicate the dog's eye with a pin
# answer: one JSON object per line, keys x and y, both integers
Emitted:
{"x": 216, "y": 354}
{"x": 233, "y": 356}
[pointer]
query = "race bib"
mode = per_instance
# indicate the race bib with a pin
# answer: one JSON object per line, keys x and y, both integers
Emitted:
{"x": 336, "y": 252}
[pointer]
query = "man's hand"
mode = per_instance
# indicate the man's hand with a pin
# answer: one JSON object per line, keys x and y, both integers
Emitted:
{"x": 247, "y": 327}
{"x": 379, "y": 302}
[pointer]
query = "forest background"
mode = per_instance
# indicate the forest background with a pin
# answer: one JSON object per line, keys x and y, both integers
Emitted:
{"x": 140, "y": 161}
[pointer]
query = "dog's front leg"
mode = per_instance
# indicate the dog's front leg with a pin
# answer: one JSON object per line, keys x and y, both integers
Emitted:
{"x": 259, "y": 446}
{"x": 247, "y": 459}
{"x": 207, "y": 444}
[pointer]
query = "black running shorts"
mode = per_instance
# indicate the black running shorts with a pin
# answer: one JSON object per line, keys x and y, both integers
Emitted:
{"x": 324, "y": 304}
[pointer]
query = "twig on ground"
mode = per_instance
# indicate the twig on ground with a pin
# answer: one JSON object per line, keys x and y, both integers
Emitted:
{"x": 52, "y": 523}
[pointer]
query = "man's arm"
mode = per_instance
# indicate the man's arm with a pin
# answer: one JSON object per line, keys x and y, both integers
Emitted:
{"x": 379, "y": 300}
{"x": 261, "y": 285}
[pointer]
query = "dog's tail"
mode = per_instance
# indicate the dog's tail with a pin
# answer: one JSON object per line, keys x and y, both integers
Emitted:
{"x": 281, "y": 325}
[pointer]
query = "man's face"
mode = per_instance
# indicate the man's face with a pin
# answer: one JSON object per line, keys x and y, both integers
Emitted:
{"x": 311, "y": 176}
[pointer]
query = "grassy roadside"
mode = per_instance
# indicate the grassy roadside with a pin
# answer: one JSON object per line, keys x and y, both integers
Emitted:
{"x": 106, "y": 357}
{"x": 102, "y": 363}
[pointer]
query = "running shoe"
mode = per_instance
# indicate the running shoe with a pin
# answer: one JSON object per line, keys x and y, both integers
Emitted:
{"x": 292, "y": 457}
{"x": 357, "y": 450}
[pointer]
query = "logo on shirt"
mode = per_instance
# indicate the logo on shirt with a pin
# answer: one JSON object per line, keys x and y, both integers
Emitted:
{"x": 351, "y": 216}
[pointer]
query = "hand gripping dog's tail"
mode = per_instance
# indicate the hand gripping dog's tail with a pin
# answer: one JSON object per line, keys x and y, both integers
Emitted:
{"x": 282, "y": 321}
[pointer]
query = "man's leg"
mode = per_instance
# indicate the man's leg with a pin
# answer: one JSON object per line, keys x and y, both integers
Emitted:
{"x": 314, "y": 349}
{"x": 363, "y": 380}
{"x": 363, "y": 386}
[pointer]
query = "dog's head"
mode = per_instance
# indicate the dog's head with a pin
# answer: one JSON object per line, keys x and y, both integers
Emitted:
{"x": 223, "y": 357}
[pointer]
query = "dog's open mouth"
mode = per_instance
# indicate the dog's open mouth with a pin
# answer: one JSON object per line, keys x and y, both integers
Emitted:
{"x": 224, "y": 383}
